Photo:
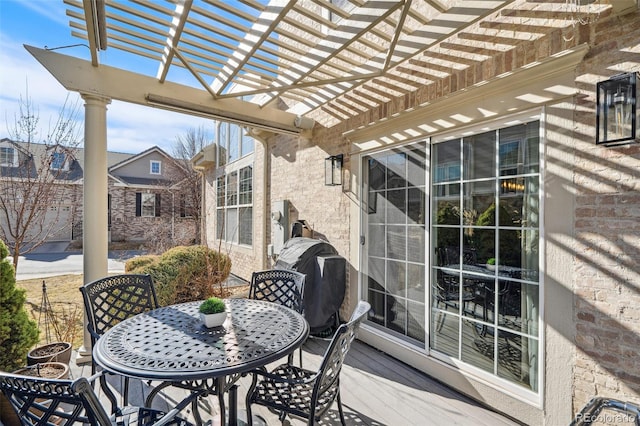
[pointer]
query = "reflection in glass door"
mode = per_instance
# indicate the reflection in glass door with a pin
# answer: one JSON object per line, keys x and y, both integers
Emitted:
{"x": 394, "y": 257}
{"x": 484, "y": 244}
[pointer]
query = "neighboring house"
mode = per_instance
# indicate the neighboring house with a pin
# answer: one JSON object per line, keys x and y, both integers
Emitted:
{"x": 51, "y": 175}
{"x": 148, "y": 202}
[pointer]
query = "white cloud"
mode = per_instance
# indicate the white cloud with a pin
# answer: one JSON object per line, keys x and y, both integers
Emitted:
{"x": 144, "y": 127}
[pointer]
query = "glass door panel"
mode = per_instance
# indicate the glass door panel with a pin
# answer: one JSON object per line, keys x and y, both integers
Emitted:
{"x": 394, "y": 260}
{"x": 484, "y": 247}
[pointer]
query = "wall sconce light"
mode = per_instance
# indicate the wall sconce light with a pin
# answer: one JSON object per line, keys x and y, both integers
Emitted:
{"x": 333, "y": 170}
{"x": 617, "y": 110}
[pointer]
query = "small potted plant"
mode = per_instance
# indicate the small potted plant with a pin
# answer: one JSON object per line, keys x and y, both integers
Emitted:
{"x": 213, "y": 312}
{"x": 491, "y": 264}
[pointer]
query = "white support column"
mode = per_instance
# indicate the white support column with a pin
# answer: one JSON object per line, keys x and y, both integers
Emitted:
{"x": 95, "y": 241}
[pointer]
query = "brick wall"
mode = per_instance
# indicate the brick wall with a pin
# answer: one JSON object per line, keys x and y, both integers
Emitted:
{"x": 607, "y": 232}
{"x": 603, "y": 239}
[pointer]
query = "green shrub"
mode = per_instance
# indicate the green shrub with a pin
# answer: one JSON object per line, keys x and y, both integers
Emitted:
{"x": 509, "y": 244}
{"x": 448, "y": 214}
{"x": 18, "y": 333}
{"x": 139, "y": 261}
{"x": 212, "y": 305}
{"x": 184, "y": 273}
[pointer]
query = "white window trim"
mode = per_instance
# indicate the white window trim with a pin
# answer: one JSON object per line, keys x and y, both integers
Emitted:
{"x": 65, "y": 163}
{"x": 236, "y": 166}
{"x": 152, "y": 163}
{"x": 14, "y": 161}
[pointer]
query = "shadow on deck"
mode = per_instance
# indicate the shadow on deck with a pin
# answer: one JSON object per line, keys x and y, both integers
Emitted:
{"x": 376, "y": 390}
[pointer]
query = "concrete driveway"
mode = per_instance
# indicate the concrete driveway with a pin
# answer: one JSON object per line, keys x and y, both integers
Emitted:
{"x": 51, "y": 259}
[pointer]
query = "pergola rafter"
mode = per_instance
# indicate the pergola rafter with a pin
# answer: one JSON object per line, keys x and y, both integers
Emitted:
{"x": 320, "y": 55}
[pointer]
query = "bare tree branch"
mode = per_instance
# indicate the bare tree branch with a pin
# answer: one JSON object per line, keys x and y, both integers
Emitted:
{"x": 185, "y": 148}
{"x": 37, "y": 180}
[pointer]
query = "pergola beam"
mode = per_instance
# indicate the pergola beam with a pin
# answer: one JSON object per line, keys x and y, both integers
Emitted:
{"x": 78, "y": 75}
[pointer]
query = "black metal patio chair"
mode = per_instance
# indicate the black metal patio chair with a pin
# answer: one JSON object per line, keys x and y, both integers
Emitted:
{"x": 280, "y": 286}
{"x": 40, "y": 401}
{"x": 308, "y": 394}
{"x": 110, "y": 300}
{"x": 600, "y": 408}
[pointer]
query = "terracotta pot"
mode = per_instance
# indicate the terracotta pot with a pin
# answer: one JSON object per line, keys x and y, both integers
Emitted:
{"x": 50, "y": 370}
{"x": 53, "y": 352}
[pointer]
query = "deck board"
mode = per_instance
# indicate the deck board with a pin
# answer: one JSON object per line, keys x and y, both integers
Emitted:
{"x": 376, "y": 390}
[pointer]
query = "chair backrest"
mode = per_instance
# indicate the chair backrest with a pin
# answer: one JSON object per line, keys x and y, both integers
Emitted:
{"x": 280, "y": 286}
{"x": 110, "y": 300}
{"x": 40, "y": 401}
{"x": 450, "y": 255}
{"x": 329, "y": 372}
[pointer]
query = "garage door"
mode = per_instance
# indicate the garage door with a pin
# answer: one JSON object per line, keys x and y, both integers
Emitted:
{"x": 59, "y": 217}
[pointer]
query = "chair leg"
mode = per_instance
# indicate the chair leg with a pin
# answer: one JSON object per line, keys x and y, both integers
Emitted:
{"x": 220, "y": 384}
{"x": 110, "y": 396}
{"x": 155, "y": 391}
{"x": 340, "y": 409}
{"x": 247, "y": 401}
{"x": 196, "y": 411}
{"x": 249, "y": 415}
{"x": 125, "y": 391}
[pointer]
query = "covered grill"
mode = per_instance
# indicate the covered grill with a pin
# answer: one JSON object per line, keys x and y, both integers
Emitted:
{"x": 325, "y": 279}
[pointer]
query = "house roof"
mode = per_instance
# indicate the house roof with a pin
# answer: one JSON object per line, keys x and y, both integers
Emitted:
{"x": 327, "y": 60}
{"x": 39, "y": 149}
{"x": 134, "y": 157}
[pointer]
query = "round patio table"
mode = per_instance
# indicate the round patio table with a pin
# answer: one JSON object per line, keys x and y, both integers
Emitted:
{"x": 171, "y": 344}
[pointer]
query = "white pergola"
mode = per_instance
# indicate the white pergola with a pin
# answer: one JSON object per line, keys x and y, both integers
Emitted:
{"x": 281, "y": 66}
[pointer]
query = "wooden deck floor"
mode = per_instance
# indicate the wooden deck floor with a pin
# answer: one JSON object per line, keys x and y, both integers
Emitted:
{"x": 376, "y": 390}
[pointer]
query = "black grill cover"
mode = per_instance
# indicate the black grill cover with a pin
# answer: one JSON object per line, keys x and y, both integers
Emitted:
{"x": 325, "y": 271}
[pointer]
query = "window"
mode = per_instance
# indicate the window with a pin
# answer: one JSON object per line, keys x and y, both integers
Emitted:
{"x": 234, "y": 186}
{"x": 156, "y": 167}
{"x": 147, "y": 205}
{"x": 450, "y": 255}
{"x": 234, "y": 218}
{"x": 7, "y": 156}
{"x": 58, "y": 161}
{"x": 186, "y": 205}
{"x": 233, "y": 143}
{"x": 395, "y": 241}
{"x": 484, "y": 248}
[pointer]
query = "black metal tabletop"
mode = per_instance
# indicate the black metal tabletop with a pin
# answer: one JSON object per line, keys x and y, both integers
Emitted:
{"x": 172, "y": 343}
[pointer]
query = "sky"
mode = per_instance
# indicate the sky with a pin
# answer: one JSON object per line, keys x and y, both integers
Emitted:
{"x": 43, "y": 23}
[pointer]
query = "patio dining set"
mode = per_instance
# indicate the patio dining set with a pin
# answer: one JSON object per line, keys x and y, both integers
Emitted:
{"x": 169, "y": 346}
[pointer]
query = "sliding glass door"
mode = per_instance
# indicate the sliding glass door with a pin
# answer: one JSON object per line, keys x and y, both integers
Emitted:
{"x": 394, "y": 240}
{"x": 450, "y": 249}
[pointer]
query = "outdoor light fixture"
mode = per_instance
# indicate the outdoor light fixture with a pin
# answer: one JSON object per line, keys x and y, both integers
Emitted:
{"x": 617, "y": 109}
{"x": 333, "y": 170}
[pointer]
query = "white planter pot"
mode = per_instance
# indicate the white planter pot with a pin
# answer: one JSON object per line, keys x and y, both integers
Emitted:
{"x": 213, "y": 320}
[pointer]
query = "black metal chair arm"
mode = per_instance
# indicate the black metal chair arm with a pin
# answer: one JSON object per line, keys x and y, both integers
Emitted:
{"x": 40, "y": 401}
{"x": 92, "y": 332}
{"x": 308, "y": 378}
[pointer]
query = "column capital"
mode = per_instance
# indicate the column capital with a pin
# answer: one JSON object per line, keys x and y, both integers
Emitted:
{"x": 92, "y": 98}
